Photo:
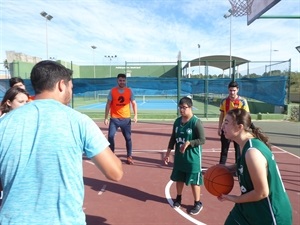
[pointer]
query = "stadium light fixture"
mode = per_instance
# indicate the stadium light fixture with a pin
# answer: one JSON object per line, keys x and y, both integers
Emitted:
{"x": 110, "y": 58}
{"x": 48, "y": 18}
{"x": 298, "y": 48}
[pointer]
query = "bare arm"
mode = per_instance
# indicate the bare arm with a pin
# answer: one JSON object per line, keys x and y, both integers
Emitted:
{"x": 109, "y": 164}
{"x": 257, "y": 166}
{"x": 107, "y": 109}
{"x": 134, "y": 107}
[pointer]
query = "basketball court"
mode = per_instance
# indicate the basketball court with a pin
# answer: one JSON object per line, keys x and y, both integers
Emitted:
{"x": 144, "y": 195}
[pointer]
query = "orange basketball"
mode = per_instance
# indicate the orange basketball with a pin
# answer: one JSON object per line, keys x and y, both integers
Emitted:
{"x": 218, "y": 180}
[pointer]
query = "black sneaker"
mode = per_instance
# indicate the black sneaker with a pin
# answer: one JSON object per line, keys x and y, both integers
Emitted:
{"x": 177, "y": 203}
{"x": 196, "y": 209}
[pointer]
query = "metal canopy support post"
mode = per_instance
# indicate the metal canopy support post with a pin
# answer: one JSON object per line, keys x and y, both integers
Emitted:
{"x": 206, "y": 90}
{"x": 179, "y": 75}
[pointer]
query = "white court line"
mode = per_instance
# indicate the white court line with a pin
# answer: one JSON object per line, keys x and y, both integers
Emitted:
{"x": 210, "y": 150}
{"x": 87, "y": 161}
{"x": 284, "y": 151}
{"x": 169, "y": 199}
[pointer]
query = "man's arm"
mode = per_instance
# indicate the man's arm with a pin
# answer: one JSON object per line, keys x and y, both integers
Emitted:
{"x": 107, "y": 109}
{"x": 109, "y": 164}
{"x": 221, "y": 118}
{"x": 134, "y": 107}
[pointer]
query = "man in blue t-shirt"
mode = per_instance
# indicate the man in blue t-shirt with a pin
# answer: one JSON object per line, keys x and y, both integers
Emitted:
{"x": 41, "y": 150}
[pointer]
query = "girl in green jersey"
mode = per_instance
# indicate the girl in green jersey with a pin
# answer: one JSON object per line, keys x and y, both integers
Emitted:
{"x": 263, "y": 198}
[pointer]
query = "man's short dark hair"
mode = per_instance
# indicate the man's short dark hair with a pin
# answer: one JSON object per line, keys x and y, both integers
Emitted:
{"x": 122, "y": 75}
{"x": 233, "y": 84}
{"x": 45, "y": 74}
{"x": 186, "y": 100}
{"x": 15, "y": 80}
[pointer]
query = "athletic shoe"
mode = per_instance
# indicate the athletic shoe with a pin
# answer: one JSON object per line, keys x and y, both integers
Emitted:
{"x": 177, "y": 203}
{"x": 129, "y": 160}
{"x": 196, "y": 209}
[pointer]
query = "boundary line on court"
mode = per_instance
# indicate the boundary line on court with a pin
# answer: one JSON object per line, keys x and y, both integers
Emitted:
{"x": 216, "y": 150}
{"x": 170, "y": 201}
{"x": 285, "y": 151}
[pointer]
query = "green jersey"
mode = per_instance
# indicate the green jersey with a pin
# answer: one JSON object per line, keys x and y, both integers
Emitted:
{"x": 276, "y": 208}
{"x": 192, "y": 131}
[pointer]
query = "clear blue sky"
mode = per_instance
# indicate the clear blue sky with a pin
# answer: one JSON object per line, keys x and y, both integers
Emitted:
{"x": 145, "y": 30}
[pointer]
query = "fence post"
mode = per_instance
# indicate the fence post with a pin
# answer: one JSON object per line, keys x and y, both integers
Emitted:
{"x": 179, "y": 75}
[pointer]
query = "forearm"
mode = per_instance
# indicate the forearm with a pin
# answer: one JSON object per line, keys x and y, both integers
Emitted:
{"x": 252, "y": 196}
{"x": 200, "y": 140}
{"x": 106, "y": 112}
{"x": 168, "y": 152}
{"x": 221, "y": 118}
{"x": 135, "y": 109}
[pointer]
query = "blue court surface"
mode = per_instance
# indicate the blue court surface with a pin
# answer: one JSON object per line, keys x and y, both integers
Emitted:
{"x": 142, "y": 105}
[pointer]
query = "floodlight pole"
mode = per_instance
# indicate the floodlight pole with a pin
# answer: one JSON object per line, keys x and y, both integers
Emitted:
{"x": 94, "y": 47}
{"x": 110, "y": 58}
{"x": 199, "y": 60}
{"x": 229, "y": 15}
{"x": 48, "y": 18}
{"x": 271, "y": 50}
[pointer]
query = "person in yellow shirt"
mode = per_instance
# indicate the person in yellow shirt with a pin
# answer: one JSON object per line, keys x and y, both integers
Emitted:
{"x": 232, "y": 101}
{"x": 118, "y": 105}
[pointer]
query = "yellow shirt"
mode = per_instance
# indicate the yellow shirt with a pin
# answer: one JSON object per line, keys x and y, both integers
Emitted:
{"x": 239, "y": 102}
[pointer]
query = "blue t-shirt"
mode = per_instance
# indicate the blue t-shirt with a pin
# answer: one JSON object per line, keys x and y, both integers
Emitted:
{"x": 41, "y": 149}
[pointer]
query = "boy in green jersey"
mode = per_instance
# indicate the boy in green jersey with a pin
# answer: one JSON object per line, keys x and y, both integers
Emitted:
{"x": 187, "y": 137}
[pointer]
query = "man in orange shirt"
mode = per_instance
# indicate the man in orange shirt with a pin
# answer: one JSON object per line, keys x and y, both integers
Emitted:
{"x": 233, "y": 101}
{"x": 118, "y": 105}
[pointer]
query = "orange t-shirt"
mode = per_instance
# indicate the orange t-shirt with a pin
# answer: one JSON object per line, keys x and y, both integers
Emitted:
{"x": 31, "y": 98}
{"x": 120, "y": 103}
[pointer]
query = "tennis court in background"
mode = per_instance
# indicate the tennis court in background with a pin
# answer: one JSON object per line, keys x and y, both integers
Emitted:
{"x": 141, "y": 106}
{"x": 144, "y": 103}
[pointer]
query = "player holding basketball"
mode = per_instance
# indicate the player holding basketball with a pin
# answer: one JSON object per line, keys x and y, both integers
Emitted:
{"x": 41, "y": 154}
{"x": 188, "y": 138}
{"x": 232, "y": 101}
{"x": 118, "y": 105}
{"x": 264, "y": 199}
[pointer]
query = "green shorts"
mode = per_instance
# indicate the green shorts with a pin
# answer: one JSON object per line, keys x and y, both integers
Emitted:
{"x": 187, "y": 178}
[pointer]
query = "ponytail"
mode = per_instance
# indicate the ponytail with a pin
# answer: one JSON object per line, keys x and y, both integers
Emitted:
{"x": 257, "y": 132}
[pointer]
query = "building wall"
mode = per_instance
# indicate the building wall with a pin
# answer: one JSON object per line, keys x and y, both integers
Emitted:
{"x": 23, "y": 69}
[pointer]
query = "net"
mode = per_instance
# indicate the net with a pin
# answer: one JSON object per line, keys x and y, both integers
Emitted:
{"x": 163, "y": 99}
{"x": 241, "y": 7}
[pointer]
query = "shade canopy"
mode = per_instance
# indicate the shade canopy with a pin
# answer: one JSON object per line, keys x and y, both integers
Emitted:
{"x": 218, "y": 61}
